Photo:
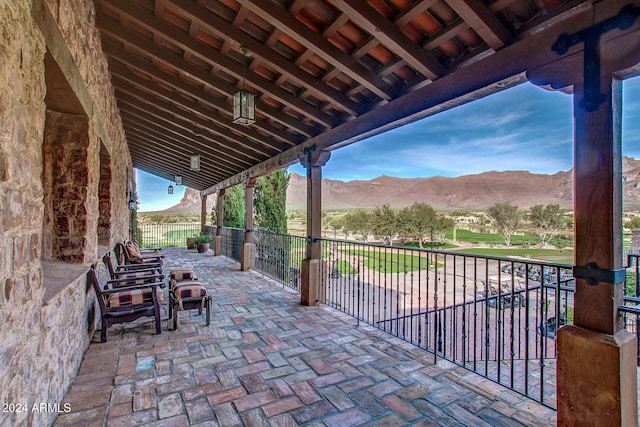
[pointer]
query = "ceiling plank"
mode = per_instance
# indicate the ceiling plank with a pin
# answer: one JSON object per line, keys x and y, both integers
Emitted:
{"x": 483, "y": 21}
{"x": 253, "y": 142}
{"x": 389, "y": 35}
{"x": 500, "y": 70}
{"x": 207, "y": 53}
{"x": 223, "y": 29}
{"x": 123, "y": 35}
{"x": 285, "y": 22}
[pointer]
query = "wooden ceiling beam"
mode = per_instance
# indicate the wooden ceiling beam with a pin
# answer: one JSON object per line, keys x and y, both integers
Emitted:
{"x": 177, "y": 165}
{"x": 140, "y": 161}
{"x": 154, "y": 24}
{"x": 412, "y": 12}
{"x": 169, "y": 118}
{"x": 366, "y": 17}
{"x": 160, "y": 135}
{"x": 116, "y": 32}
{"x": 285, "y": 22}
{"x": 216, "y": 25}
{"x": 252, "y": 141}
{"x": 490, "y": 74}
{"x": 483, "y": 21}
{"x": 201, "y": 97}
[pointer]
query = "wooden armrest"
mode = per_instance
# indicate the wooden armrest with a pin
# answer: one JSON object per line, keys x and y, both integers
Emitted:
{"x": 132, "y": 288}
{"x": 133, "y": 279}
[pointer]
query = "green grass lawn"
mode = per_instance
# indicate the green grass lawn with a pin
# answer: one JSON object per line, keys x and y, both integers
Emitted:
{"x": 496, "y": 239}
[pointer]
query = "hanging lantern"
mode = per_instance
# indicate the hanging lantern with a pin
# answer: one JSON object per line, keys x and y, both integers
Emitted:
{"x": 195, "y": 162}
{"x": 178, "y": 179}
{"x": 170, "y": 190}
{"x": 244, "y": 108}
{"x": 244, "y": 103}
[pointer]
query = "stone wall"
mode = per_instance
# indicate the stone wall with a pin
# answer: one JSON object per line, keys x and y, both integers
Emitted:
{"x": 45, "y": 308}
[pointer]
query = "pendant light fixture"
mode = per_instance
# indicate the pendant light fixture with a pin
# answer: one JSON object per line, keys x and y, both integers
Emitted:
{"x": 244, "y": 104}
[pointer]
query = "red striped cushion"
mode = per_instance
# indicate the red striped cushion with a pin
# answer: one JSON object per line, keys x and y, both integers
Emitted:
{"x": 180, "y": 274}
{"x": 189, "y": 290}
{"x": 134, "y": 296}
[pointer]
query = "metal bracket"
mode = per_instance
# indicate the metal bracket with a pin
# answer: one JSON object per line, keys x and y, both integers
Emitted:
{"x": 594, "y": 274}
{"x": 308, "y": 152}
{"x": 593, "y": 98}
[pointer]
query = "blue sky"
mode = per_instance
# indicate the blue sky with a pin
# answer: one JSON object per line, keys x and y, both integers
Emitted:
{"x": 522, "y": 128}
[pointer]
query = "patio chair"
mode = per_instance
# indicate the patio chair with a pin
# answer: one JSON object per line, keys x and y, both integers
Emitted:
{"x": 129, "y": 253}
{"x": 121, "y": 301}
{"x": 117, "y": 271}
{"x": 186, "y": 293}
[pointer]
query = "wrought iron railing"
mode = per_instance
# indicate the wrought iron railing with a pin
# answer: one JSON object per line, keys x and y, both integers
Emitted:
{"x": 167, "y": 235}
{"x": 279, "y": 256}
{"x": 231, "y": 242}
{"x": 497, "y": 317}
{"x": 494, "y": 316}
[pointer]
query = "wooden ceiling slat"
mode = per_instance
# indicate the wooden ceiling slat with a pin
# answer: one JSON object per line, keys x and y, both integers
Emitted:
{"x": 114, "y": 31}
{"x": 283, "y": 20}
{"x": 483, "y": 21}
{"x": 185, "y": 125}
{"x": 196, "y": 47}
{"x": 389, "y": 35}
{"x": 219, "y": 26}
{"x": 120, "y": 72}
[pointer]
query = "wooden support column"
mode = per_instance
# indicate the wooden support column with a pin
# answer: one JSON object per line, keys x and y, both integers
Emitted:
{"x": 217, "y": 241}
{"x": 245, "y": 251}
{"x": 203, "y": 213}
{"x": 310, "y": 277}
{"x": 596, "y": 377}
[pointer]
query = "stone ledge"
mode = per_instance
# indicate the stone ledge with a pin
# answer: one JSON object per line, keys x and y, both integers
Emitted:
{"x": 57, "y": 275}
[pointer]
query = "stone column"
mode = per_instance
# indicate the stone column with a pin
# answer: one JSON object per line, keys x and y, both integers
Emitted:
{"x": 596, "y": 377}
{"x": 217, "y": 241}
{"x": 310, "y": 278}
{"x": 245, "y": 252}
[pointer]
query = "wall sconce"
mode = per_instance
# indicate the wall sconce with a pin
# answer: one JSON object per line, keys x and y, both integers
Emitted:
{"x": 170, "y": 190}
{"x": 244, "y": 103}
{"x": 132, "y": 204}
{"x": 195, "y": 162}
{"x": 178, "y": 179}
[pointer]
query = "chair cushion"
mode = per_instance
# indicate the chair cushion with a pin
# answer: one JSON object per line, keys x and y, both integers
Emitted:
{"x": 180, "y": 274}
{"x": 133, "y": 251}
{"x": 189, "y": 289}
{"x": 133, "y": 297}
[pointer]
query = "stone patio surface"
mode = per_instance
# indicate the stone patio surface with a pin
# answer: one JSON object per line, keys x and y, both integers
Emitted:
{"x": 266, "y": 360}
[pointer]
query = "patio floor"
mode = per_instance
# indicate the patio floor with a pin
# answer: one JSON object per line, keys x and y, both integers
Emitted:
{"x": 266, "y": 360}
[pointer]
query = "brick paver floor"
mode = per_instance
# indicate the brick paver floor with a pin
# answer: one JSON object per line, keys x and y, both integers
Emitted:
{"x": 266, "y": 360}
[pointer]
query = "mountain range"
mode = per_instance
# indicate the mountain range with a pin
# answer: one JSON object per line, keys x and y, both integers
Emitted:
{"x": 478, "y": 191}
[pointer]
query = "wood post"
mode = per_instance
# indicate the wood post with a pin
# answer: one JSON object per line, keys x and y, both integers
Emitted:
{"x": 310, "y": 278}
{"x": 596, "y": 377}
{"x": 203, "y": 213}
{"x": 245, "y": 251}
{"x": 217, "y": 241}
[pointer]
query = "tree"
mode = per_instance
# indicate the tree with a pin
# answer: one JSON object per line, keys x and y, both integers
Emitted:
{"x": 634, "y": 223}
{"x": 506, "y": 218}
{"x": 234, "y": 207}
{"x": 384, "y": 223}
{"x": 335, "y": 223}
{"x": 547, "y": 221}
{"x": 358, "y": 222}
{"x": 270, "y": 201}
{"x": 418, "y": 221}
